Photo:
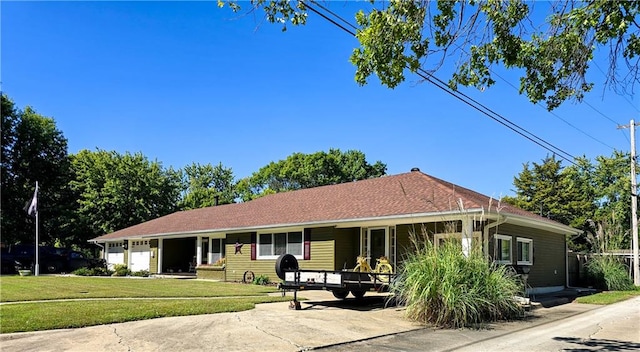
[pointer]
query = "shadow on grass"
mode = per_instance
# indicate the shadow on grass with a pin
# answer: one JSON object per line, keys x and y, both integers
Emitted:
{"x": 599, "y": 344}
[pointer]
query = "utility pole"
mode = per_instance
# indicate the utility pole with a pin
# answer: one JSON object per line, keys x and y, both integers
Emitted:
{"x": 634, "y": 204}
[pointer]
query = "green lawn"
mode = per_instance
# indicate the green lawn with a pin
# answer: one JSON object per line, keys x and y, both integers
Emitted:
{"x": 31, "y": 288}
{"x": 116, "y": 300}
{"x": 608, "y": 297}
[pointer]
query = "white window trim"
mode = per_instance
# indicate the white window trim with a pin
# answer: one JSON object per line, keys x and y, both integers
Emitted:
{"x": 530, "y": 241}
{"x": 505, "y": 238}
{"x": 258, "y": 256}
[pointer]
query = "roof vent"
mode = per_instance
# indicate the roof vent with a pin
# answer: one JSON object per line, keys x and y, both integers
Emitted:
{"x": 415, "y": 169}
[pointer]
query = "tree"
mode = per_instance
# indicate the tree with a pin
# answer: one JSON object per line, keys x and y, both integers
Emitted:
{"x": 550, "y": 43}
{"x": 301, "y": 170}
{"x": 580, "y": 195}
{"x": 116, "y": 191}
{"x": 558, "y": 193}
{"x": 33, "y": 149}
{"x": 203, "y": 183}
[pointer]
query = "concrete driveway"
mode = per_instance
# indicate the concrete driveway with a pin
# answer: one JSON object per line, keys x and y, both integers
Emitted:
{"x": 323, "y": 321}
{"x": 328, "y": 324}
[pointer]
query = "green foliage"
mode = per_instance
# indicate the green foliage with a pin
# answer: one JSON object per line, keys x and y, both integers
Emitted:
{"x": 609, "y": 297}
{"x": 121, "y": 270}
{"x": 578, "y": 195}
{"x": 98, "y": 271}
{"x": 261, "y": 280}
{"x": 608, "y": 273}
{"x": 33, "y": 149}
{"x": 301, "y": 170}
{"x": 448, "y": 289}
{"x": 141, "y": 273}
{"x": 552, "y": 50}
{"x": 203, "y": 183}
{"x": 116, "y": 191}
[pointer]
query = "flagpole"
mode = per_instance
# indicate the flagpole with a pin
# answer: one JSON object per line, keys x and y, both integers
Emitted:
{"x": 37, "y": 267}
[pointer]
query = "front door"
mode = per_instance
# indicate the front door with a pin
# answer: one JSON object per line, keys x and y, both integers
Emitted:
{"x": 375, "y": 244}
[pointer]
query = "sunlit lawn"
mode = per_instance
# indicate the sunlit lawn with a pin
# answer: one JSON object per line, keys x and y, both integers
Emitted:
{"x": 608, "y": 297}
{"x": 137, "y": 299}
{"x": 31, "y": 288}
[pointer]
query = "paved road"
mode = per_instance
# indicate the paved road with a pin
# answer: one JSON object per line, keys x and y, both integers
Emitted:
{"x": 571, "y": 327}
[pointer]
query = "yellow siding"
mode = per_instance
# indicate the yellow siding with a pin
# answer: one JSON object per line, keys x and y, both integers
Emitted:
{"x": 325, "y": 253}
{"x": 153, "y": 261}
{"x": 347, "y": 246}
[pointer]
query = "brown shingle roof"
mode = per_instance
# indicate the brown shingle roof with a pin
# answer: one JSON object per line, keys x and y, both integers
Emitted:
{"x": 403, "y": 194}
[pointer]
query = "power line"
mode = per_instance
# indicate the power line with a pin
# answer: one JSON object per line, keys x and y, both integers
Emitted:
{"x": 565, "y": 121}
{"x": 459, "y": 95}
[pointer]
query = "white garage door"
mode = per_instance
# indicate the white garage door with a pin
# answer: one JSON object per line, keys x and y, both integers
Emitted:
{"x": 115, "y": 254}
{"x": 140, "y": 255}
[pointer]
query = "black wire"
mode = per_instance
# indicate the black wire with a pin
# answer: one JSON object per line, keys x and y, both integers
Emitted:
{"x": 457, "y": 94}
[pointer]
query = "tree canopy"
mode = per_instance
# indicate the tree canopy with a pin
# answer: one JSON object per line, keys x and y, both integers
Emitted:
{"x": 203, "y": 183}
{"x": 33, "y": 149}
{"x": 550, "y": 43}
{"x": 301, "y": 170}
{"x": 119, "y": 190}
{"x": 580, "y": 195}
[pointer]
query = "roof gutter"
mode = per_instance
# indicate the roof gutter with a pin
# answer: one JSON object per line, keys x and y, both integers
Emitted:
{"x": 303, "y": 224}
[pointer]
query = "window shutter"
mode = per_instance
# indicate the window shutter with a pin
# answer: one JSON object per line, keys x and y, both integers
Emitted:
{"x": 253, "y": 246}
{"x": 307, "y": 244}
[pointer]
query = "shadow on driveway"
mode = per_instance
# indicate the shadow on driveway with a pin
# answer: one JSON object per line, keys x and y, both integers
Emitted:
{"x": 599, "y": 344}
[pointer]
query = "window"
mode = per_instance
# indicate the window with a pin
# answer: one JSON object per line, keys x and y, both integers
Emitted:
{"x": 525, "y": 251}
{"x": 503, "y": 249}
{"x": 272, "y": 245}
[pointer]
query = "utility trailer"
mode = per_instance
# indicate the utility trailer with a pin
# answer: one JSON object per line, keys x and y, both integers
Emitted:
{"x": 340, "y": 283}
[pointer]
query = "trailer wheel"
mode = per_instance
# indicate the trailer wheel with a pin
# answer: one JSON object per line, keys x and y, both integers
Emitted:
{"x": 285, "y": 262}
{"x": 340, "y": 294}
{"x": 358, "y": 293}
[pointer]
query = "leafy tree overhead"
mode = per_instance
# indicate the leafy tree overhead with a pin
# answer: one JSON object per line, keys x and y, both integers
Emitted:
{"x": 33, "y": 149}
{"x": 203, "y": 183}
{"x": 116, "y": 191}
{"x": 301, "y": 170}
{"x": 550, "y": 43}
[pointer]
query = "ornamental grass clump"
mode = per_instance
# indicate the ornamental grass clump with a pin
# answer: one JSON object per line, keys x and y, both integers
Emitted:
{"x": 445, "y": 288}
{"x": 609, "y": 273}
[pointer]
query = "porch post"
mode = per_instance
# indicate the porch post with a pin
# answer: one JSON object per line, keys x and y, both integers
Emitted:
{"x": 199, "y": 250}
{"x": 210, "y": 251}
{"x": 467, "y": 235}
{"x": 160, "y": 244}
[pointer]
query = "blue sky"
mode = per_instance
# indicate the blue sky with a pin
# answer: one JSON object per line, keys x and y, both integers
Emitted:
{"x": 189, "y": 82}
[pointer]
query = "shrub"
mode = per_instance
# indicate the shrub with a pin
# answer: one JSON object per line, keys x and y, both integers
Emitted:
{"x": 83, "y": 272}
{"x": 261, "y": 280}
{"x": 448, "y": 289}
{"x": 97, "y": 271}
{"x": 608, "y": 273}
{"x": 141, "y": 273}
{"x": 121, "y": 270}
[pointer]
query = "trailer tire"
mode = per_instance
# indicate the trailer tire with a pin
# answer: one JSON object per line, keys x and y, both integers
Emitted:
{"x": 340, "y": 294}
{"x": 286, "y": 262}
{"x": 358, "y": 293}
